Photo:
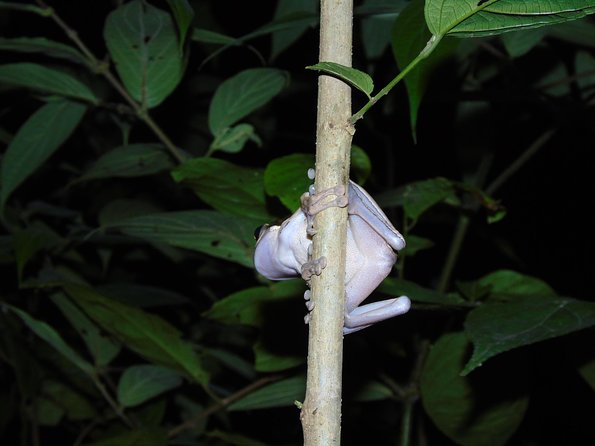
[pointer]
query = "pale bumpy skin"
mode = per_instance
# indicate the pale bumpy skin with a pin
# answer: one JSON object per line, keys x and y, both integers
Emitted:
{"x": 282, "y": 252}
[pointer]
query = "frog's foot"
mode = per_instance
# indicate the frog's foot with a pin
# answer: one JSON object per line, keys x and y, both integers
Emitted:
{"x": 313, "y": 267}
{"x": 313, "y": 203}
{"x": 308, "y": 299}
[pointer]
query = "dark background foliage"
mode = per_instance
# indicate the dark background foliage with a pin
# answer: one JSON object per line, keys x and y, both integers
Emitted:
{"x": 484, "y": 106}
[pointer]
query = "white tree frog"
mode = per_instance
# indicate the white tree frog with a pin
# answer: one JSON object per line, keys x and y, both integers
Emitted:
{"x": 284, "y": 252}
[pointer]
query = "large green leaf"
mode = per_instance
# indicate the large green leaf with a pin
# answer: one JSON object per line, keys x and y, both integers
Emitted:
{"x": 287, "y": 178}
{"x": 283, "y": 38}
{"x": 143, "y": 43}
{"x": 245, "y": 306}
{"x": 409, "y": 37}
{"x": 37, "y": 139}
{"x": 267, "y": 361}
{"x": 466, "y": 18}
{"x": 243, "y": 93}
{"x": 52, "y": 337}
{"x": 46, "y": 80}
{"x": 420, "y": 196}
{"x": 144, "y": 333}
{"x": 133, "y": 160}
{"x": 498, "y": 327}
{"x": 140, "y": 383}
{"x": 509, "y": 285}
{"x": 42, "y": 45}
{"x": 397, "y": 287}
{"x": 224, "y": 236}
{"x": 279, "y": 394}
{"x": 103, "y": 348}
{"x": 471, "y": 412}
{"x": 183, "y": 13}
{"x": 226, "y": 187}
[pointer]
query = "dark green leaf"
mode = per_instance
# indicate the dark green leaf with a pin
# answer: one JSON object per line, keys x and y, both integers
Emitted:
{"x": 142, "y": 42}
{"x": 129, "y": 161}
{"x": 466, "y": 18}
{"x": 286, "y": 9}
{"x": 416, "y": 244}
{"x": 144, "y": 333}
{"x": 587, "y": 371}
{"x": 183, "y": 14}
{"x": 68, "y": 401}
{"x": 267, "y": 361}
{"x": 579, "y": 32}
{"x": 279, "y": 394}
{"x": 519, "y": 44}
{"x": 420, "y": 196}
{"x": 206, "y": 36}
{"x": 233, "y": 139}
{"x": 140, "y": 383}
{"x": 361, "y": 167}
{"x": 508, "y": 285}
{"x": 52, "y": 337}
{"x": 227, "y": 237}
{"x": 46, "y": 80}
{"x": 356, "y": 78}
{"x": 226, "y": 187}
{"x": 376, "y": 26}
{"x": 29, "y": 241}
{"x": 471, "y": 412}
{"x": 140, "y": 437}
{"x": 234, "y": 439}
{"x": 409, "y": 37}
{"x": 42, "y": 45}
{"x": 142, "y": 296}
{"x": 495, "y": 328}
{"x": 37, "y": 139}
{"x": 287, "y": 178}
{"x": 243, "y": 93}
{"x": 373, "y": 391}
{"x": 102, "y": 348}
{"x": 397, "y": 287}
{"x": 244, "y": 307}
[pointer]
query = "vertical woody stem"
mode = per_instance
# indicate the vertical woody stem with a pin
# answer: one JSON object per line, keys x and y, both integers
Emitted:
{"x": 321, "y": 411}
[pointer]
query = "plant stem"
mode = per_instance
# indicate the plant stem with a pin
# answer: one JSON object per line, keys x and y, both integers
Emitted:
{"x": 221, "y": 404}
{"x": 117, "y": 409}
{"x": 406, "y": 422}
{"x": 431, "y": 45}
{"x": 102, "y": 68}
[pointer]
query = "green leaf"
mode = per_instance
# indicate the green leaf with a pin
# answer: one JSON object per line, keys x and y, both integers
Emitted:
{"x": 416, "y": 244}
{"x": 29, "y": 241}
{"x": 268, "y": 361}
{"x": 43, "y": 46}
{"x": 465, "y": 18}
{"x": 142, "y": 296}
{"x": 471, "y": 412}
{"x": 409, "y": 37}
{"x": 587, "y": 371}
{"x": 398, "y": 287}
{"x": 519, "y": 44}
{"x": 223, "y": 236}
{"x": 356, "y": 78}
{"x": 46, "y": 80}
{"x": 102, "y": 348}
{"x": 233, "y": 139}
{"x": 286, "y": 9}
{"x": 246, "y": 306}
{"x": 139, "y": 437}
{"x": 68, "y": 401}
{"x": 52, "y": 337}
{"x": 495, "y": 328}
{"x": 142, "y": 41}
{"x": 361, "y": 166}
{"x": 420, "y": 196}
{"x": 243, "y": 93}
{"x": 140, "y": 383}
{"x": 226, "y": 187}
{"x": 376, "y": 26}
{"x": 373, "y": 391}
{"x": 287, "y": 178}
{"x": 37, "y": 139}
{"x": 278, "y": 394}
{"x": 129, "y": 161}
{"x": 183, "y": 14}
{"x": 146, "y": 334}
{"x": 579, "y": 32}
{"x": 206, "y": 36}
{"x": 509, "y": 285}
{"x": 234, "y": 439}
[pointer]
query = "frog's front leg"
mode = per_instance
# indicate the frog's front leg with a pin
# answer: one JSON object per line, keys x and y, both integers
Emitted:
{"x": 313, "y": 203}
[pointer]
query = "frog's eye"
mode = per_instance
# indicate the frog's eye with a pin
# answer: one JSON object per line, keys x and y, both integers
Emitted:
{"x": 259, "y": 231}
